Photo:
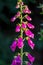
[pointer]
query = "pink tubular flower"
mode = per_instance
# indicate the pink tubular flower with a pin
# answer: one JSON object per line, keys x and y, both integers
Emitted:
{"x": 13, "y": 19}
{"x": 31, "y": 44}
{"x": 29, "y": 33}
{"x": 14, "y": 45}
{"x": 30, "y": 26}
{"x": 30, "y": 57}
{"x": 26, "y": 11}
{"x": 28, "y": 63}
{"x": 23, "y": 25}
{"x": 18, "y": 14}
{"x": 17, "y": 6}
{"x": 28, "y": 18}
{"x": 20, "y": 43}
{"x": 16, "y": 60}
{"x": 17, "y": 28}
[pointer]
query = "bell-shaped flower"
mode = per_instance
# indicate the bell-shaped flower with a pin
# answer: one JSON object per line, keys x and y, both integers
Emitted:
{"x": 17, "y": 28}
{"x": 29, "y": 33}
{"x": 20, "y": 43}
{"x": 17, "y": 6}
{"x": 16, "y": 60}
{"x": 26, "y": 10}
{"x": 24, "y": 25}
{"x": 16, "y": 16}
{"x": 30, "y": 57}
{"x": 28, "y": 18}
{"x": 31, "y": 44}
{"x": 28, "y": 63}
{"x": 30, "y": 26}
{"x": 13, "y": 19}
{"x": 14, "y": 45}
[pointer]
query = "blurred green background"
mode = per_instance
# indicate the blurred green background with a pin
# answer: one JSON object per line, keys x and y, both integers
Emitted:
{"x": 7, "y": 31}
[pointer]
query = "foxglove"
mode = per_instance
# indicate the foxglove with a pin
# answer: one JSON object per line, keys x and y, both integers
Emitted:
{"x": 29, "y": 33}
{"x": 25, "y": 34}
{"x": 20, "y": 43}
{"x": 17, "y": 28}
{"x": 30, "y": 57}
{"x": 16, "y": 60}
{"x": 31, "y": 44}
{"x": 14, "y": 45}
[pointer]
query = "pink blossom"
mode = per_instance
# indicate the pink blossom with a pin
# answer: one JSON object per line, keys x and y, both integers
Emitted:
{"x": 20, "y": 43}
{"x": 14, "y": 45}
{"x": 17, "y": 28}
{"x": 30, "y": 26}
{"x": 23, "y": 25}
{"x": 30, "y": 57}
{"x": 17, "y": 6}
{"x": 31, "y": 44}
{"x": 26, "y": 11}
{"x": 28, "y": 63}
{"x": 16, "y": 60}
{"x": 18, "y": 14}
{"x": 21, "y": 3}
{"x": 13, "y": 19}
{"x": 28, "y": 18}
{"x": 29, "y": 33}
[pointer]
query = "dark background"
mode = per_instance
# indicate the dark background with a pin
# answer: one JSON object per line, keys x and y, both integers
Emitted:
{"x": 7, "y": 31}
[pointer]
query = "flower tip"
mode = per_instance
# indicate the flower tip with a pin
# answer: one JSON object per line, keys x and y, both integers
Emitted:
{"x": 13, "y": 19}
{"x": 17, "y": 6}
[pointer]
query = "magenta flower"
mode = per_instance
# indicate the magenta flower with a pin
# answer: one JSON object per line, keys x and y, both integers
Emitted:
{"x": 23, "y": 25}
{"x": 21, "y": 3}
{"x": 17, "y": 28}
{"x": 31, "y": 44}
{"x": 17, "y": 6}
{"x": 13, "y": 19}
{"x": 30, "y": 57}
{"x": 29, "y": 33}
{"x": 30, "y": 26}
{"x": 16, "y": 60}
{"x": 20, "y": 43}
{"x": 14, "y": 45}
{"x": 28, "y": 63}
{"x": 28, "y": 18}
{"x": 18, "y": 14}
{"x": 26, "y": 10}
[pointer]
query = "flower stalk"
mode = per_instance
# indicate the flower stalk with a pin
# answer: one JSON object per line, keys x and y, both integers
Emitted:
{"x": 23, "y": 27}
{"x": 21, "y": 34}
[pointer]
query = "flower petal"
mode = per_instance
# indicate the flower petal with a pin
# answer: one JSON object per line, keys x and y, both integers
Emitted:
{"x": 13, "y": 19}
{"x": 16, "y": 60}
{"x": 31, "y": 44}
{"x": 14, "y": 45}
{"x": 23, "y": 25}
{"x": 28, "y": 18}
{"x": 29, "y": 33}
{"x": 28, "y": 63}
{"x": 18, "y": 14}
{"x": 17, "y": 28}
{"x": 30, "y": 26}
{"x": 30, "y": 57}
{"x": 20, "y": 43}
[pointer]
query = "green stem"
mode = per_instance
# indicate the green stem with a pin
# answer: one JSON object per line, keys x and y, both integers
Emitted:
{"x": 21, "y": 34}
